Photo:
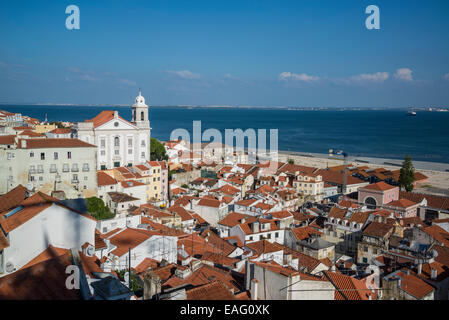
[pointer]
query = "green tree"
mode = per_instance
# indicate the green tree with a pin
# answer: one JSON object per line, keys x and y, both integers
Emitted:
{"x": 157, "y": 151}
{"x": 291, "y": 161}
{"x": 98, "y": 210}
{"x": 407, "y": 175}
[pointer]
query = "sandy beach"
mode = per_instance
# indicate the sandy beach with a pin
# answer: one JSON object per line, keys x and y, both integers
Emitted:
{"x": 438, "y": 176}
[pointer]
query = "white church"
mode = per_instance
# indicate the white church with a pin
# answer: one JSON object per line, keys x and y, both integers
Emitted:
{"x": 119, "y": 142}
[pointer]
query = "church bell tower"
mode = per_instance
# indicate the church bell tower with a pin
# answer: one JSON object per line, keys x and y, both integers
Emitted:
{"x": 140, "y": 113}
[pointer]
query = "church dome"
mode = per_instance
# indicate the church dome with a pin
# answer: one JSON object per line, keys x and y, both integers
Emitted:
{"x": 140, "y": 101}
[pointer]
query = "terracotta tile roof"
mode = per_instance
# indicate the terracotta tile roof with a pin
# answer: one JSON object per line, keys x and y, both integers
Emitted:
{"x": 90, "y": 264}
{"x": 433, "y": 201}
{"x": 131, "y": 183}
{"x": 246, "y": 203}
{"x": 380, "y": 186}
{"x": 45, "y": 280}
{"x": 337, "y": 213}
{"x": 233, "y": 219}
{"x": 128, "y": 239}
{"x": 4, "y": 140}
{"x": 13, "y": 198}
{"x": 219, "y": 244}
{"x": 204, "y": 275}
{"x": 305, "y": 232}
{"x": 4, "y": 243}
{"x": 99, "y": 242}
{"x": 121, "y": 197}
{"x": 438, "y": 233}
{"x": 215, "y": 290}
{"x": 401, "y": 203}
{"x": 55, "y": 143}
{"x": 348, "y": 204}
{"x": 219, "y": 259}
{"x": 230, "y": 190}
{"x": 45, "y": 255}
{"x": 377, "y": 229}
{"x": 348, "y": 288}
{"x": 209, "y": 203}
{"x": 413, "y": 285}
{"x": 284, "y": 214}
{"x": 104, "y": 179}
{"x": 180, "y": 211}
{"x": 29, "y": 133}
{"x": 146, "y": 264}
{"x": 199, "y": 219}
{"x": 103, "y": 117}
{"x": 183, "y": 201}
{"x": 61, "y": 131}
{"x": 337, "y": 177}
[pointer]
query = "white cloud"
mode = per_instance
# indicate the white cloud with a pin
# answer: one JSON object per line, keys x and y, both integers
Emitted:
{"x": 287, "y": 76}
{"x": 374, "y": 77}
{"x": 185, "y": 74}
{"x": 404, "y": 74}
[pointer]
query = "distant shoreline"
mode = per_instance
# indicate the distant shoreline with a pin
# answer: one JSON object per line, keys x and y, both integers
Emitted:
{"x": 291, "y": 108}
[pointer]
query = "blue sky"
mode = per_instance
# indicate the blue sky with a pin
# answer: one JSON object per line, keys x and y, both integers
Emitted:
{"x": 307, "y": 53}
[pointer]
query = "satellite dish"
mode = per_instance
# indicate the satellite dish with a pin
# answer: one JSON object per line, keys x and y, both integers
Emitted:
{"x": 9, "y": 267}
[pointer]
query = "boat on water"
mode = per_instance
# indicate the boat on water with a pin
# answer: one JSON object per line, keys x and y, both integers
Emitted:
{"x": 411, "y": 113}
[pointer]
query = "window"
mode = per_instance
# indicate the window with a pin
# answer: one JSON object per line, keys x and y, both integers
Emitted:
{"x": 276, "y": 235}
{"x": 75, "y": 167}
{"x": 55, "y": 155}
{"x": 75, "y": 178}
{"x": 251, "y": 238}
{"x": 85, "y": 178}
{"x": 158, "y": 178}
{"x": 117, "y": 142}
{"x": 142, "y": 116}
{"x": 85, "y": 167}
{"x": 130, "y": 142}
{"x": 31, "y": 154}
{"x": 130, "y": 151}
{"x": 143, "y": 154}
{"x": 53, "y": 168}
{"x": 42, "y": 156}
{"x": 374, "y": 251}
{"x": 269, "y": 235}
{"x": 65, "y": 167}
{"x": 31, "y": 178}
{"x": 103, "y": 143}
{"x": 365, "y": 248}
{"x": 116, "y": 152}
{"x": 69, "y": 155}
{"x": 40, "y": 169}
{"x": 142, "y": 143}
{"x": 103, "y": 167}
{"x": 41, "y": 178}
{"x": 103, "y": 152}
{"x": 261, "y": 237}
{"x": 365, "y": 260}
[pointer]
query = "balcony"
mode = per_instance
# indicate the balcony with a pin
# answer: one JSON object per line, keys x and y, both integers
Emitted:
{"x": 75, "y": 181}
{"x": 86, "y": 169}
{"x": 32, "y": 171}
{"x": 65, "y": 170}
{"x": 75, "y": 169}
{"x": 53, "y": 170}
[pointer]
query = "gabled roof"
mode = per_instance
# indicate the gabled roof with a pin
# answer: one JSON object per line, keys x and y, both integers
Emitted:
{"x": 104, "y": 179}
{"x": 103, "y": 117}
{"x": 413, "y": 285}
{"x": 207, "y": 202}
{"x": 31, "y": 207}
{"x": 348, "y": 288}
{"x": 433, "y": 201}
{"x": 234, "y": 218}
{"x": 401, "y": 203}
{"x": 215, "y": 290}
{"x": 13, "y": 198}
{"x": 377, "y": 229}
{"x": 44, "y": 280}
{"x": 380, "y": 186}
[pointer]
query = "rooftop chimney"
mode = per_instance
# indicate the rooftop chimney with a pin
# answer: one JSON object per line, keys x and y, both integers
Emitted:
{"x": 255, "y": 226}
{"x": 254, "y": 287}
{"x": 433, "y": 274}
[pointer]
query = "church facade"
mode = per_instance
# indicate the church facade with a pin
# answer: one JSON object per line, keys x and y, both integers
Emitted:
{"x": 119, "y": 142}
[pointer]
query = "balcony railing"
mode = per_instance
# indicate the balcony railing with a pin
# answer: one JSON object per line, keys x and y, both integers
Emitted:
{"x": 75, "y": 181}
{"x": 75, "y": 169}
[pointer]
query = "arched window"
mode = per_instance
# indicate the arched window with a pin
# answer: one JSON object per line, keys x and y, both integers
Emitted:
{"x": 371, "y": 203}
{"x": 142, "y": 116}
{"x": 117, "y": 142}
